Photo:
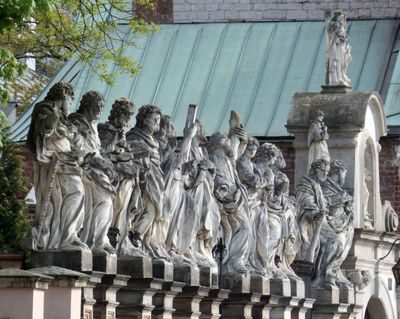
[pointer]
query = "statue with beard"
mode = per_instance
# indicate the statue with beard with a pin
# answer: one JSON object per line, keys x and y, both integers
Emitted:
{"x": 232, "y": 199}
{"x": 267, "y": 226}
{"x": 312, "y": 207}
{"x": 58, "y": 186}
{"x": 336, "y": 231}
{"x": 150, "y": 222}
{"x": 289, "y": 244}
{"x": 199, "y": 183}
{"x": 178, "y": 206}
{"x": 116, "y": 149}
{"x": 99, "y": 175}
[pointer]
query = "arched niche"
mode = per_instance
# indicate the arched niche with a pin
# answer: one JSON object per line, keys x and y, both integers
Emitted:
{"x": 375, "y": 309}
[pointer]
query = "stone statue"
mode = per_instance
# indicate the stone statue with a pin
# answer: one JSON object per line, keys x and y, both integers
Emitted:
{"x": 150, "y": 223}
{"x": 259, "y": 180}
{"x": 232, "y": 199}
{"x": 58, "y": 185}
{"x": 317, "y": 137}
{"x": 368, "y": 218}
{"x": 289, "y": 244}
{"x": 339, "y": 50}
{"x": 337, "y": 230}
{"x": 312, "y": 208}
{"x": 178, "y": 205}
{"x": 199, "y": 183}
{"x": 98, "y": 177}
{"x": 116, "y": 149}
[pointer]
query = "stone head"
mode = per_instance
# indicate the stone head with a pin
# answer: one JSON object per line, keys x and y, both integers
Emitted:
{"x": 148, "y": 118}
{"x": 320, "y": 169}
{"x": 121, "y": 112}
{"x": 252, "y": 147}
{"x": 267, "y": 153}
{"x": 338, "y": 171}
{"x": 62, "y": 92}
{"x": 280, "y": 160}
{"x": 92, "y": 104}
{"x": 220, "y": 141}
{"x": 167, "y": 128}
{"x": 200, "y": 134}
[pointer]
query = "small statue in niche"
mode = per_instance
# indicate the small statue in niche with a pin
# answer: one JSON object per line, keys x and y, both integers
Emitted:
{"x": 99, "y": 175}
{"x": 312, "y": 208}
{"x": 115, "y": 148}
{"x": 368, "y": 219}
{"x": 337, "y": 230}
{"x": 58, "y": 185}
{"x": 339, "y": 50}
{"x": 317, "y": 137}
{"x": 231, "y": 196}
{"x": 178, "y": 206}
{"x": 150, "y": 222}
{"x": 199, "y": 183}
{"x": 289, "y": 244}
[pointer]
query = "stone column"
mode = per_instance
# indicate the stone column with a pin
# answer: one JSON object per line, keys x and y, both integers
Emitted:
{"x": 136, "y": 298}
{"x": 65, "y": 292}
{"x": 22, "y": 293}
{"x": 187, "y": 303}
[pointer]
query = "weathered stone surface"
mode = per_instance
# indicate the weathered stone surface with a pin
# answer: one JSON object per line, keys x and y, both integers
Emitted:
{"x": 78, "y": 260}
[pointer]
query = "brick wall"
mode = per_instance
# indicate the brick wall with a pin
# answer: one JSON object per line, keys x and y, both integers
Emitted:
{"x": 186, "y": 11}
{"x": 162, "y": 12}
{"x": 389, "y": 171}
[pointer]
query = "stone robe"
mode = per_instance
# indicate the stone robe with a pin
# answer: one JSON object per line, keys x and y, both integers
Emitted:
{"x": 150, "y": 223}
{"x": 234, "y": 210}
{"x": 57, "y": 180}
{"x": 98, "y": 186}
{"x": 336, "y": 237}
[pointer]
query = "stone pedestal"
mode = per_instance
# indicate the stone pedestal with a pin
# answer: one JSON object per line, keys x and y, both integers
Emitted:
{"x": 240, "y": 302}
{"x": 105, "y": 294}
{"x": 260, "y": 285}
{"x": 88, "y": 299}
{"x": 187, "y": 303}
{"x": 65, "y": 292}
{"x": 78, "y": 260}
{"x": 328, "y": 303}
{"x": 22, "y": 294}
{"x": 136, "y": 298}
{"x": 210, "y": 305}
{"x": 164, "y": 300}
{"x": 105, "y": 263}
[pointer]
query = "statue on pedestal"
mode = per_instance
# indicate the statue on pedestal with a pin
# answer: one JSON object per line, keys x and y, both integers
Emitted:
{"x": 199, "y": 183}
{"x": 339, "y": 50}
{"x": 58, "y": 185}
{"x": 289, "y": 244}
{"x": 178, "y": 206}
{"x": 115, "y": 148}
{"x": 337, "y": 230}
{"x": 317, "y": 137}
{"x": 312, "y": 207}
{"x": 99, "y": 175}
{"x": 150, "y": 222}
{"x": 232, "y": 199}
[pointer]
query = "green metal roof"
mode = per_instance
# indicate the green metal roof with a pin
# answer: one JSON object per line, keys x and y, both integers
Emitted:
{"x": 253, "y": 68}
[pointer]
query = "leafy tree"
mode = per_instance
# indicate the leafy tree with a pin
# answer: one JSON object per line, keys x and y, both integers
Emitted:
{"x": 57, "y": 29}
{"x": 13, "y": 185}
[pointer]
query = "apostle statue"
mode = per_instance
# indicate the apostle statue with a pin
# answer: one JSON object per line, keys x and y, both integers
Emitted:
{"x": 312, "y": 207}
{"x": 317, "y": 137}
{"x": 339, "y": 50}
{"x": 150, "y": 223}
{"x": 178, "y": 205}
{"x": 58, "y": 185}
{"x": 199, "y": 183}
{"x": 127, "y": 198}
{"x": 232, "y": 199}
{"x": 337, "y": 230}
{"x": 98, "y": 175}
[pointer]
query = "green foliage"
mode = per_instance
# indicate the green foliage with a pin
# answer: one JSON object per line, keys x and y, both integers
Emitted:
{"x": 57, "y": 29}
{"x": 13, "y": 183}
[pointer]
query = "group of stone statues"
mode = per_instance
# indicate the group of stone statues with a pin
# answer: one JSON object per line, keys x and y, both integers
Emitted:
{"x": 172, "y": 199}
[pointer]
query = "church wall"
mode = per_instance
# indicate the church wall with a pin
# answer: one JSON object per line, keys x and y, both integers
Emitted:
{"x": 188, "y": 11}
